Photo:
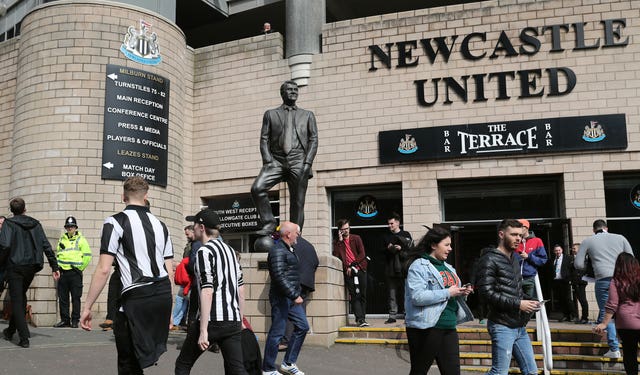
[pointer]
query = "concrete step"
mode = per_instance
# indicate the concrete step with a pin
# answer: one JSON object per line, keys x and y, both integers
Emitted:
{"x": 580, "y": 334}
{"x": 515, "y": 370}
{"x": 475, "y": 346}
{"x": 576, "y": 350}
{"x": 560, "y": 362}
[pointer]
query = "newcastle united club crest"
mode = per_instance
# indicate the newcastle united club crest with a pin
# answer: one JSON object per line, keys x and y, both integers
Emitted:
{"x": 367, "y": 207}
{"x": 141, "y": 45}
{"x": 635, "y": 196}
{"x": 407, "y": 145}
{"x": 593, "y": 132}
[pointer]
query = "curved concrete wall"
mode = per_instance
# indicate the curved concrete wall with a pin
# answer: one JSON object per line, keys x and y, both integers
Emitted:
{"x": 65, "y": 47}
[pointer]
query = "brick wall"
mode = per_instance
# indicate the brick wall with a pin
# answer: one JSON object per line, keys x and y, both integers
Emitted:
{"x": 55, "y": 152}
{"x": 353, "y": 104}
{"x": 8, "y": 67}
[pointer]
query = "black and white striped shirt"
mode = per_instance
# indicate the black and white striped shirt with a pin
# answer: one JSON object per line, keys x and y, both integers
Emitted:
{"x": 140, "y": 242}
{"x": 217, "y": 267}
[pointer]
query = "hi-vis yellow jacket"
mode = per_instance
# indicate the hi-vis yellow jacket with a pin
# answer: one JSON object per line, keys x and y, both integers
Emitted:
{"x": 73, "y": 252}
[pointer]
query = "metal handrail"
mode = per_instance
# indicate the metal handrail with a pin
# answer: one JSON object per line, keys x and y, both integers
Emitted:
{"x": 543, "y": 333}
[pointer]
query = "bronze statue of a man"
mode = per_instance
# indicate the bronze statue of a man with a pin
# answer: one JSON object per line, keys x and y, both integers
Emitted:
{"x": 288, "y": 144}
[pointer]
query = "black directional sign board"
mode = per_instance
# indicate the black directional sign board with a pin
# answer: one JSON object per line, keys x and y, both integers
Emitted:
{"x": 136, "y": 125}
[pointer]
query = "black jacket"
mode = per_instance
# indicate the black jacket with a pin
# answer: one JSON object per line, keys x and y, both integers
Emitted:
{"x": 565, "y": 268}
{"x": 576, "y": 274}
{"x": 23, "y": 240}
{"x": 394, "y": 259}
{"x": 500, "y": 284}
{"x": 307, "y": 264}
{"x": 284, "y": 271}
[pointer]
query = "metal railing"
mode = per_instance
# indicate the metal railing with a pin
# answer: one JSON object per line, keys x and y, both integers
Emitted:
{"x": 543, "y": 333}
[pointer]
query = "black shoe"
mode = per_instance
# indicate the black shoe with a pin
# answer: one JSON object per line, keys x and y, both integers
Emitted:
{"x": 61, "y": 324}
{"x": 389, "y": 321}
{"x": 106, "y": 325}
{"x": 24, "y": 343}
{"x": 582, "y": 321}
{"x": 74, "y": 324}
{"x": 7, "y": 336}
{"x": 214, "y": 348}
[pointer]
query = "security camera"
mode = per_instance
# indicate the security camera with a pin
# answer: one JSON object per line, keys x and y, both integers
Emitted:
{"x": 3, "y": 9}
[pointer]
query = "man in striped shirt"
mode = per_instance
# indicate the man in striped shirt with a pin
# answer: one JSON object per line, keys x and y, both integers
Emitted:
{"x": 218, "y": 277}
{"x": 142, "y": 247}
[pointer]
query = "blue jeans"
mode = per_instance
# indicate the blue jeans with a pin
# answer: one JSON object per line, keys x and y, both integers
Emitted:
{"x": 180, "y": 307}
{"x": 602, "y": 294}
{"x": 283, "y": 309}
{"x": 506, "y": 341}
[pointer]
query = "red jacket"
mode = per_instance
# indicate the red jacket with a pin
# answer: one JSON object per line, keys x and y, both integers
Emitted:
{"x": 181, "y": 276}
{"x": 340, "y": 251}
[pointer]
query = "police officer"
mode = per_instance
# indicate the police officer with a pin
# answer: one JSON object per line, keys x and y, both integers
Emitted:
{"x": 73, "y": 255}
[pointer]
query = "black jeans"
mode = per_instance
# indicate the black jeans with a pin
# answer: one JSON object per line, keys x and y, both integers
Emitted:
{"x": 19, "y": 278}
{"x": 113, "y": 295}
{"x": 70, "y": 282}
{"x": 141, "y": 331}
{"x": 580, "y": 295}
{"x": 630, "y": 339}
{"x": 563, "y": 298}
{"x": 228, "y": 337}
{"x": 194, "y": 304}
{"x": 359, "y": 298}
{"x": 425, "y": 345}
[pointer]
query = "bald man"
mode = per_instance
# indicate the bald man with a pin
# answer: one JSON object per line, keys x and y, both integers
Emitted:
{"x": 285, "y": 296}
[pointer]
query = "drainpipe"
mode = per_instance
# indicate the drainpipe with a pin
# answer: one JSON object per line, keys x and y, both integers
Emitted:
{"x": 304, "y": 21}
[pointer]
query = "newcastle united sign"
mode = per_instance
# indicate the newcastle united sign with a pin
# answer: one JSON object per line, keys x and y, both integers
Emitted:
{"x": 481, "y": 86}
{"x": 583, "y": 133}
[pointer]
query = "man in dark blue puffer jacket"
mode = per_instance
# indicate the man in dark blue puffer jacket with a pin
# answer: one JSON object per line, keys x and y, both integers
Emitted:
{"x": 286, "y": 303}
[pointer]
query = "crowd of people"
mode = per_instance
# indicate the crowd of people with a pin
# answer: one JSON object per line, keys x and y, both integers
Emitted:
{"x": 136, "y": 260}
{"x": 504, "y": 279}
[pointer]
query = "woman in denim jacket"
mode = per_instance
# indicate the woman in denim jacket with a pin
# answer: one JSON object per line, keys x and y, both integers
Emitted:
{"x": 434, "y": 305}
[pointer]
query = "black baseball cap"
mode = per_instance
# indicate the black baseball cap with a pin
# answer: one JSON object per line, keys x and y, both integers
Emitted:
{"x": 208, "y": 217}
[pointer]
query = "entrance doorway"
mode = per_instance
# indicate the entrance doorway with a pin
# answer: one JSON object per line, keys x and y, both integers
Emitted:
{"x": 473, "y": 209}
{"x": 468, "y": 240}
{"x": 368, "y": 208}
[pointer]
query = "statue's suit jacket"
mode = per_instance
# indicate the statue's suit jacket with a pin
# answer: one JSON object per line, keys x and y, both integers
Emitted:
{"x": 273, "y": 125}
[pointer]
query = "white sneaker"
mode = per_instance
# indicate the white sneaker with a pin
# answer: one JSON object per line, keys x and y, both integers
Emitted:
{"x": 290, "y": 369}
{"x": 612, "y": 354}
{"x": 274, "y": 372}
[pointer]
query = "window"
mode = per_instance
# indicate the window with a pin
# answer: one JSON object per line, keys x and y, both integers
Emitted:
{"x": 622, "y": 201}
{"x": 495, "y": 199}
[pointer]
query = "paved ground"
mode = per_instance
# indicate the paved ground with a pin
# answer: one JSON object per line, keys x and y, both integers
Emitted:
{"x": 74, "y": 351}
{"x": 70, "y": 351}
